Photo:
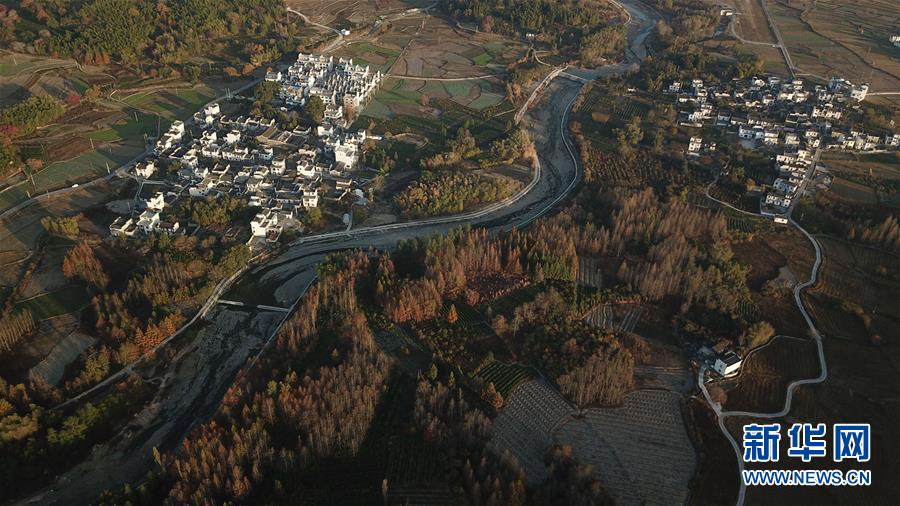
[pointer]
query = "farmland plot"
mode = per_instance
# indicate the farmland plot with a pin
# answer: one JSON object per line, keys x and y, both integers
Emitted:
{"x": 407, "y": 352}
{"x": 641, "y": 452}
{"x": 505, "y": 377}
{"x": 853, "y": 284}
{"x": 616, "y": 317}
{"x": 833, "y": 37}
{"x": 438, "y": 49}
{"x": 765, "y": 374}
{"x": 525, "y": 425}
{"x": 589, "y": 272}
{"x": 52, "y": 367}
{"x": 672, "y": 378}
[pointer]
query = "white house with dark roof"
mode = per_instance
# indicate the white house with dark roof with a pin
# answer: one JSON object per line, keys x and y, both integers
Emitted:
{"x": 727, "y": 364}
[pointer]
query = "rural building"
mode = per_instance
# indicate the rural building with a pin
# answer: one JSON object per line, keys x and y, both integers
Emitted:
{"x": 727, "y": 364}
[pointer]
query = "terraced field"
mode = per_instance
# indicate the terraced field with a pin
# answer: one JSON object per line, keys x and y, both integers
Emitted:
{"x": 439, "y": 49}
{"x": 378, "y": 56}
{"x": 525, "y": 425}
{"x": 641, "y": 452}
{"x": 506, "y": 377}
{"x": 616, "y": 317}
{"x": 405, "y": 97}
{"x": 765, "y": 374}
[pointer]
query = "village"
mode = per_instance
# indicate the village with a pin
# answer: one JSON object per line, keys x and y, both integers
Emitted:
{"x": 287, "y": 175}
{"x": 790, "y": 121}
{"x": 786, "y": 118}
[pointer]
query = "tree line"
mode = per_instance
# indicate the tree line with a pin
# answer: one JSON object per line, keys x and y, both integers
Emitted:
{"x": 558, "y": 22}
{"x": 23, "y": 118}
{"x": 13, "y": 327}
{"x": 883, "y": 235}
{"x": 134, "y": 33}
{"x": 449, "y": 192}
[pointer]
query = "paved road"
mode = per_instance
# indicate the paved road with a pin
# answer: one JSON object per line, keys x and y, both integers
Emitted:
{"x": 823, "y": 368}
{"x": 193, "y": 382}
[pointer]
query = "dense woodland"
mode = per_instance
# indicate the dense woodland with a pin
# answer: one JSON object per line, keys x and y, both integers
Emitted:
{"x": 534, "y": 16}
{"x": 318, "y": 401}
{"x": 873, "y": 225}
{"x": 140, "y": 311}
{"x": 450, "y": 192}
{"x": 21, "y": 119}
{"x": 36, "y": 444}
{"x": 449, "y": 185}
{"x": 559, "y": 23}
{"x": 137, "y": 33}
{"x": 132, "y": 311}
{"x": 24, "y": 117}
{"x": 324, "y": 401}
{"x": 327, "y": 414}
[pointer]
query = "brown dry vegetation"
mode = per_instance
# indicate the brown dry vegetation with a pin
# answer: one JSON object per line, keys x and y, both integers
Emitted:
{"x": 839, "y": 38}
{"x": 751, "y": 21}
{"x": 765, "y": 255}
{"x": 765, "y": 374}
{"x": 861, "y": 32}
{"x": 353, "y": 11}
{"x": 852, "y": 393}
{"x": 826, "y": 37}
{"x": 862, "y": 381}
{"x": 855, "y": 298}
{"x": 716, "y": 479}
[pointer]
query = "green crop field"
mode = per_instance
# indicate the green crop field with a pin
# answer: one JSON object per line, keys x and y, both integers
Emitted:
{"x": 486, "y": 100}
{"x": 11, "y": 69}
{"x": 509, "y": 302}
{"x": 107, "y": 135}
{"x": 482, "y": 59}
{"x": 63, "y": 301}
{"x": 395, "y": 93}
{"x": 458, "y": 89}
{"x": 137, "y": 99}
{"x": 748, "y": 224}
{"x": 505, "y": 377}
{"x": 92, "y": 163}
{"x": 79, "y": 84}
{"x": 144, "y": 124}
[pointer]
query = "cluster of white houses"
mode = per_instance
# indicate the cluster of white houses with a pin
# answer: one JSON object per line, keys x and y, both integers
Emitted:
{"x": 793, "y": 170}
{"x": 340, "y": 83}
{"x": 283, "y": 173}
{"x": 785, "y": 116}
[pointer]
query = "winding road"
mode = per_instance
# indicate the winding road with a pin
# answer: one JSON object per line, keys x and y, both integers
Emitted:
{"x": 823, "y": 368}
{"x": 230, "y": 335}
{"x": 331, "y": 45}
